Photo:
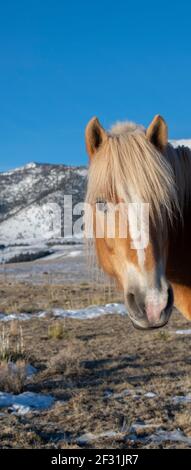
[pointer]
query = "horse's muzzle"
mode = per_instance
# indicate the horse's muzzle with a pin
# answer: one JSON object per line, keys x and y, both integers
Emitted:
{"x": 143, "y": 318}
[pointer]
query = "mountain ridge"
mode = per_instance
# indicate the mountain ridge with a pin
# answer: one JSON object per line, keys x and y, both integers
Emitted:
{"x": 27, "y": 190}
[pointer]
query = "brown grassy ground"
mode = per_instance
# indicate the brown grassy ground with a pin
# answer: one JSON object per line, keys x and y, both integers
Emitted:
{"x": 26, "y": 297}
{"x": 87, "y": 368}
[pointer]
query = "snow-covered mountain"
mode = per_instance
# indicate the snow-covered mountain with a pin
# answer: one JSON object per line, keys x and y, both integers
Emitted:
{"x": 185, "y": 142}
{"x": 27, "y": 194}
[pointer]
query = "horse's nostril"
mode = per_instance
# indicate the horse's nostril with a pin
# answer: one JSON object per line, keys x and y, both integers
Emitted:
{"x": 135, "y": 305}
{"x": 170, "y": 300}
{"x": 131, "y": 300}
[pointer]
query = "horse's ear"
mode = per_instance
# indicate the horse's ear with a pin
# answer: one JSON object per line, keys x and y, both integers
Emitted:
{"x": 95, "y": 135}
{"x": 157, "y": 132}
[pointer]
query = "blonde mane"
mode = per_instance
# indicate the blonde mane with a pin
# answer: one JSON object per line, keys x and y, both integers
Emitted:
{"x": 128, "y": 167}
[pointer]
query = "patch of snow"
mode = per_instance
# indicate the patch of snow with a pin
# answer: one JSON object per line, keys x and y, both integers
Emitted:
{"x": 80, "y": 314}
{"x": 73, "y": 254}
{"x": 124, "y": 393}
{"x": 135, "y": 393}
{"x": 20, "y": 409}
{"x": 150, "y": 395}
{"x": 145, "y": 426}
{"x": 28, "y": 166}
{"x": 184, "y": 332}
{"x": 36, "y": 222}
{"x": 82, "y": 172}
{"x": 181, "y": 399}
{"x": 27, "y": 194}
{"x": 89, "y": 437}
{"x": 91, "y": 312}
{"x": 179, "y": 142}
{"x": 29, "y": 251}
{"x": 63, "y": 252}
{"x": 159, "y": 436}
{"x": 176, "y": 436}
{"x": 41, "y": 314}
{"x": 25, "y": 402}
{"x": 15, "y": 316}
{"x": 22, "y": 316}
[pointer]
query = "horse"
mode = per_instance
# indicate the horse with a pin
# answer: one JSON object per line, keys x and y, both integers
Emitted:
{"x": 134, "y": 165}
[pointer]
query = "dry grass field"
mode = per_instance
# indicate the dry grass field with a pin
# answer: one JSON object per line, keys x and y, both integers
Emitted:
{"x": 113, "y": 386}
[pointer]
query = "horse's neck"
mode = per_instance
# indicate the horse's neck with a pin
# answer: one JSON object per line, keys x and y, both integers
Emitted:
{"x": 179, "y": 264}
{"x": 179, "y": 255}
{"x": 179, "y": 260}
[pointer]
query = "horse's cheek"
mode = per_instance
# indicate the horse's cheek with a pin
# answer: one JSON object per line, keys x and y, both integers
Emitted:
{"x": 105, "y": 257}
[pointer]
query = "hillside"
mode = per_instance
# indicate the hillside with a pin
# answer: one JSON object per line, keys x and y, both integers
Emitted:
{"x": 27, "y": 219}
{"x": 24, "y": 193}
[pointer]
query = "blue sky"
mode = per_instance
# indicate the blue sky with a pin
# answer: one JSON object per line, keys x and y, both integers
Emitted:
{"x": 62, "y": 62}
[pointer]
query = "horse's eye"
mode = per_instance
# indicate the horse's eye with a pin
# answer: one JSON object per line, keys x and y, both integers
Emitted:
{"x": 101, "y": 205}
